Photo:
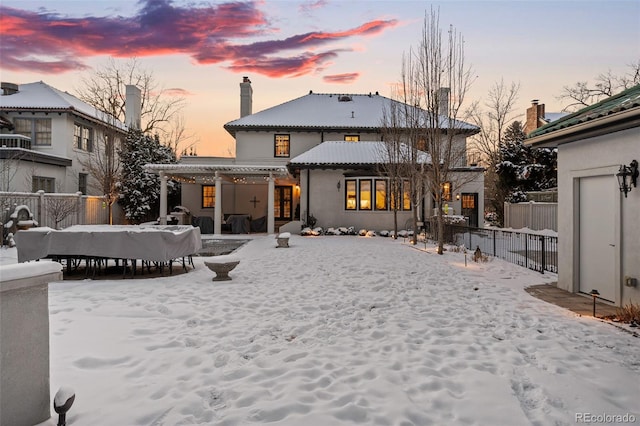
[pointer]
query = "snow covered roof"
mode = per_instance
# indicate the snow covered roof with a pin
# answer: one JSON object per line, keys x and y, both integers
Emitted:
{"x": 326, "y": 111}
{"x": 622, "y": 110}
{"x": 349, "y": 154}
{"x": 41, "y": 96}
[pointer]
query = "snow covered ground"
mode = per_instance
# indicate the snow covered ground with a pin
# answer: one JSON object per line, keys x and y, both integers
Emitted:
{"x": 336, "y": 331}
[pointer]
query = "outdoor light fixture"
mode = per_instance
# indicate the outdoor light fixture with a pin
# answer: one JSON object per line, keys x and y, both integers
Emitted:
{"x": 62, "y": 403}
{"x": 338, "y": 186}
{"x": 595, "y": 293}
{"x": 627, "y": 176}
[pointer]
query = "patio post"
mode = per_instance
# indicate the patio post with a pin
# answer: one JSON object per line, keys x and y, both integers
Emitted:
{"x": 270, "y": 209}
{"x": 163, "y": 199}
{"x": 217, "y": 220}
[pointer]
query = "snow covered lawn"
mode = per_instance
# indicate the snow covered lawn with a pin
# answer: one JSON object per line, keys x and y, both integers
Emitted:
{"x": 336, "y": 330}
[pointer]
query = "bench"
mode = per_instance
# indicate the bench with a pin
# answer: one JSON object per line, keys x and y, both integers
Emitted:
{"x": 221, "y": 267}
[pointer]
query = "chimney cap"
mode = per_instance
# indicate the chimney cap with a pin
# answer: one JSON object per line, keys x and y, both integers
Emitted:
{"x": 534, "y": 102}
{"x": 245, "y": 79}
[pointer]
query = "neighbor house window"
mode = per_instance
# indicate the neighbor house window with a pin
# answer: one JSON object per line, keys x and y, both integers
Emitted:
{"x": 350, "y": 195}
{"x": 446, "y": 191}
{"x": 82, "y": 183}
{"x": 421, "y": 144}
{"x": 208, "y": 196}
{"x": 46, "y": 184}
{"x": 381, "y": 194}
{"x": 365, "y": 194}
{"x": 83, "y": 137}
{"x": 38, "y": 129}
{"x": 352, "y": 138}
{"x": 281, "y": 146}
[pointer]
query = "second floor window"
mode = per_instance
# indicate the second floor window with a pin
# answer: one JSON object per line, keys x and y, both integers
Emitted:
{"x": 38, "y": 129}
{"x": 281, "y": 146}
{"x": 83, "y": 137}
{"x": 352, "y": 138}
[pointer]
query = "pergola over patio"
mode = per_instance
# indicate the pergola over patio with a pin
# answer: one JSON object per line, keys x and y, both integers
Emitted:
{"x": 190, "y": 173}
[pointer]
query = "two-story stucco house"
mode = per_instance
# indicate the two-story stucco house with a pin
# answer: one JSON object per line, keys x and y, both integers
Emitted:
{"x": 317, "y": 155}
{"x": 47, "y": 136}
{"x": 598, "y": 197}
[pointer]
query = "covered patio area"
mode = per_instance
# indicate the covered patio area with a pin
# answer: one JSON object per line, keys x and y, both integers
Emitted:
{"x": 217, "y": 174}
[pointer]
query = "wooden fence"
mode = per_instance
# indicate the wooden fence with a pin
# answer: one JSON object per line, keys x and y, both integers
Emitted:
{"x": 535, "y": 216}
{"x": 57, "y": 210}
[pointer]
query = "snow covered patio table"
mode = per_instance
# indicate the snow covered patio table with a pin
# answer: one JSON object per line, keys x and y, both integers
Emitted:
{"x": 147, "y": 243}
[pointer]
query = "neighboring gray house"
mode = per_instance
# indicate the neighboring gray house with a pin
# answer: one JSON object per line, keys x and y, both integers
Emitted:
{"x": 314, "y": 155}
{"x": 45, "y": 136}
{"x": 598, "y": 226}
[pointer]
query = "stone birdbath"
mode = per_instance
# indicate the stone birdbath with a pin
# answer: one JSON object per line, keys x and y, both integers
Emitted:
{"x": 221, "y": 266}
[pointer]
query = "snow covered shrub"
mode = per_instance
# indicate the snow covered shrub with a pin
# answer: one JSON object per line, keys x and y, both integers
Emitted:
{"x": 371, "y": 233}
{"x": 362, "y": 232}
{"x": 384, "y": 233}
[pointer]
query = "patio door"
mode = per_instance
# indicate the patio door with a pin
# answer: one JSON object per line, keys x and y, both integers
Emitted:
{"x": 470, "y": 207}
{"x": 283, "y": 200}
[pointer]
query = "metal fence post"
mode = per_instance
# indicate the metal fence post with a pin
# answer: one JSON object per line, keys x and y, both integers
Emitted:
{"x": 494, "y": 243}
{"x": 543, "y": 255}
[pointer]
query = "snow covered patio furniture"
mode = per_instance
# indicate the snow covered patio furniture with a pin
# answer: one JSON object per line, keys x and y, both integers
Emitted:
{"x": 283, "y": 240}
{"x": 150, "y": 244}
{"x": 221, "y": 266}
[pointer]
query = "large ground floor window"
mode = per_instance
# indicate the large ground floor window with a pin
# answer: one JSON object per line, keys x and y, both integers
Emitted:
{"x": 370, "y": 193}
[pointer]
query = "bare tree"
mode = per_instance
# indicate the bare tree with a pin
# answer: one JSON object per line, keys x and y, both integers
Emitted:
{"x": 103, "y": 162}
{"x": 493, "y": 120}
{"x": 437, "y": 79}
{"x": 584, "y": 93}
{"x": 105, "y": 89}
{"x": 58, "y": 208}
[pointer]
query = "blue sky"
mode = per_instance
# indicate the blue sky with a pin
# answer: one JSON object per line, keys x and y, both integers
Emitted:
{"x": 290, "y": 47}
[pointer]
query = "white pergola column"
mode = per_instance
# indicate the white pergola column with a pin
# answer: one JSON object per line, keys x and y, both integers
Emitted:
{"x": 271, "y": 224}
{"x": 217, "y": 216}
{"x": 163, "y": 198}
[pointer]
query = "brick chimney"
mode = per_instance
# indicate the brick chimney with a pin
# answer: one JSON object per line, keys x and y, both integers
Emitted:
{"x": 534, "y": 115}
{"x": 133, "y": 106}
{"x": 246, "y": 97}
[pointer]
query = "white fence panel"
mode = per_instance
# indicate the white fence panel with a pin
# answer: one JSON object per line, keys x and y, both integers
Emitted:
{"x": 56, "y": 210}
{"x": 535, "y": 216}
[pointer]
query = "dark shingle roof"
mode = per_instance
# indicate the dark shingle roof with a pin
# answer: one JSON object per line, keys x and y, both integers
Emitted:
{"x": 623, "y": 101}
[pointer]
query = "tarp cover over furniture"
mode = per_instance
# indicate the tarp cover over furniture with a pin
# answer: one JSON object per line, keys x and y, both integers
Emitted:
{"x": 150, "y": 243}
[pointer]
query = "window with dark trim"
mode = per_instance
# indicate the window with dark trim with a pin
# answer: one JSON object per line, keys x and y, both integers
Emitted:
{"x": 281, "y": 146}
{"x": 365, "y": 195}
{"x": 38, "y": 129}
{"x": 82, "y": 183}
{"x": 208, "y": 196}
{"x": 406, "y": 195}
{"x": 381, "y": 195}
{"x": 46, "y": 184}
{"x": 350, "y": 202}
{"x": 83, "y": 137}
{"x": 376, "y": 194}
{"x": 352, "y": 138}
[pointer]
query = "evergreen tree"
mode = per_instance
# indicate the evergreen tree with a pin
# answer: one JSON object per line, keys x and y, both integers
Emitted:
{"x": 522, "y": 169}
{"x": 140, "y": 190}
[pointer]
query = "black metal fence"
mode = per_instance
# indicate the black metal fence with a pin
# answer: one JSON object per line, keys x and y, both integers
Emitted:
{"x": 533, "y": 251}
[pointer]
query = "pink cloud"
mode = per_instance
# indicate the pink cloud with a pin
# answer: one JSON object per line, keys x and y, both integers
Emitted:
{"x": 345, "y": 78}
{"x": 46, "y": 42}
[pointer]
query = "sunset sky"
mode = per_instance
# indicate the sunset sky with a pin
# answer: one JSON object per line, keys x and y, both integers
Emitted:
{"x": 203, "y": 49}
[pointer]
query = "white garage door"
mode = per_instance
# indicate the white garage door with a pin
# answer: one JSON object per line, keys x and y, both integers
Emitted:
{"x": 597, "y": 250}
